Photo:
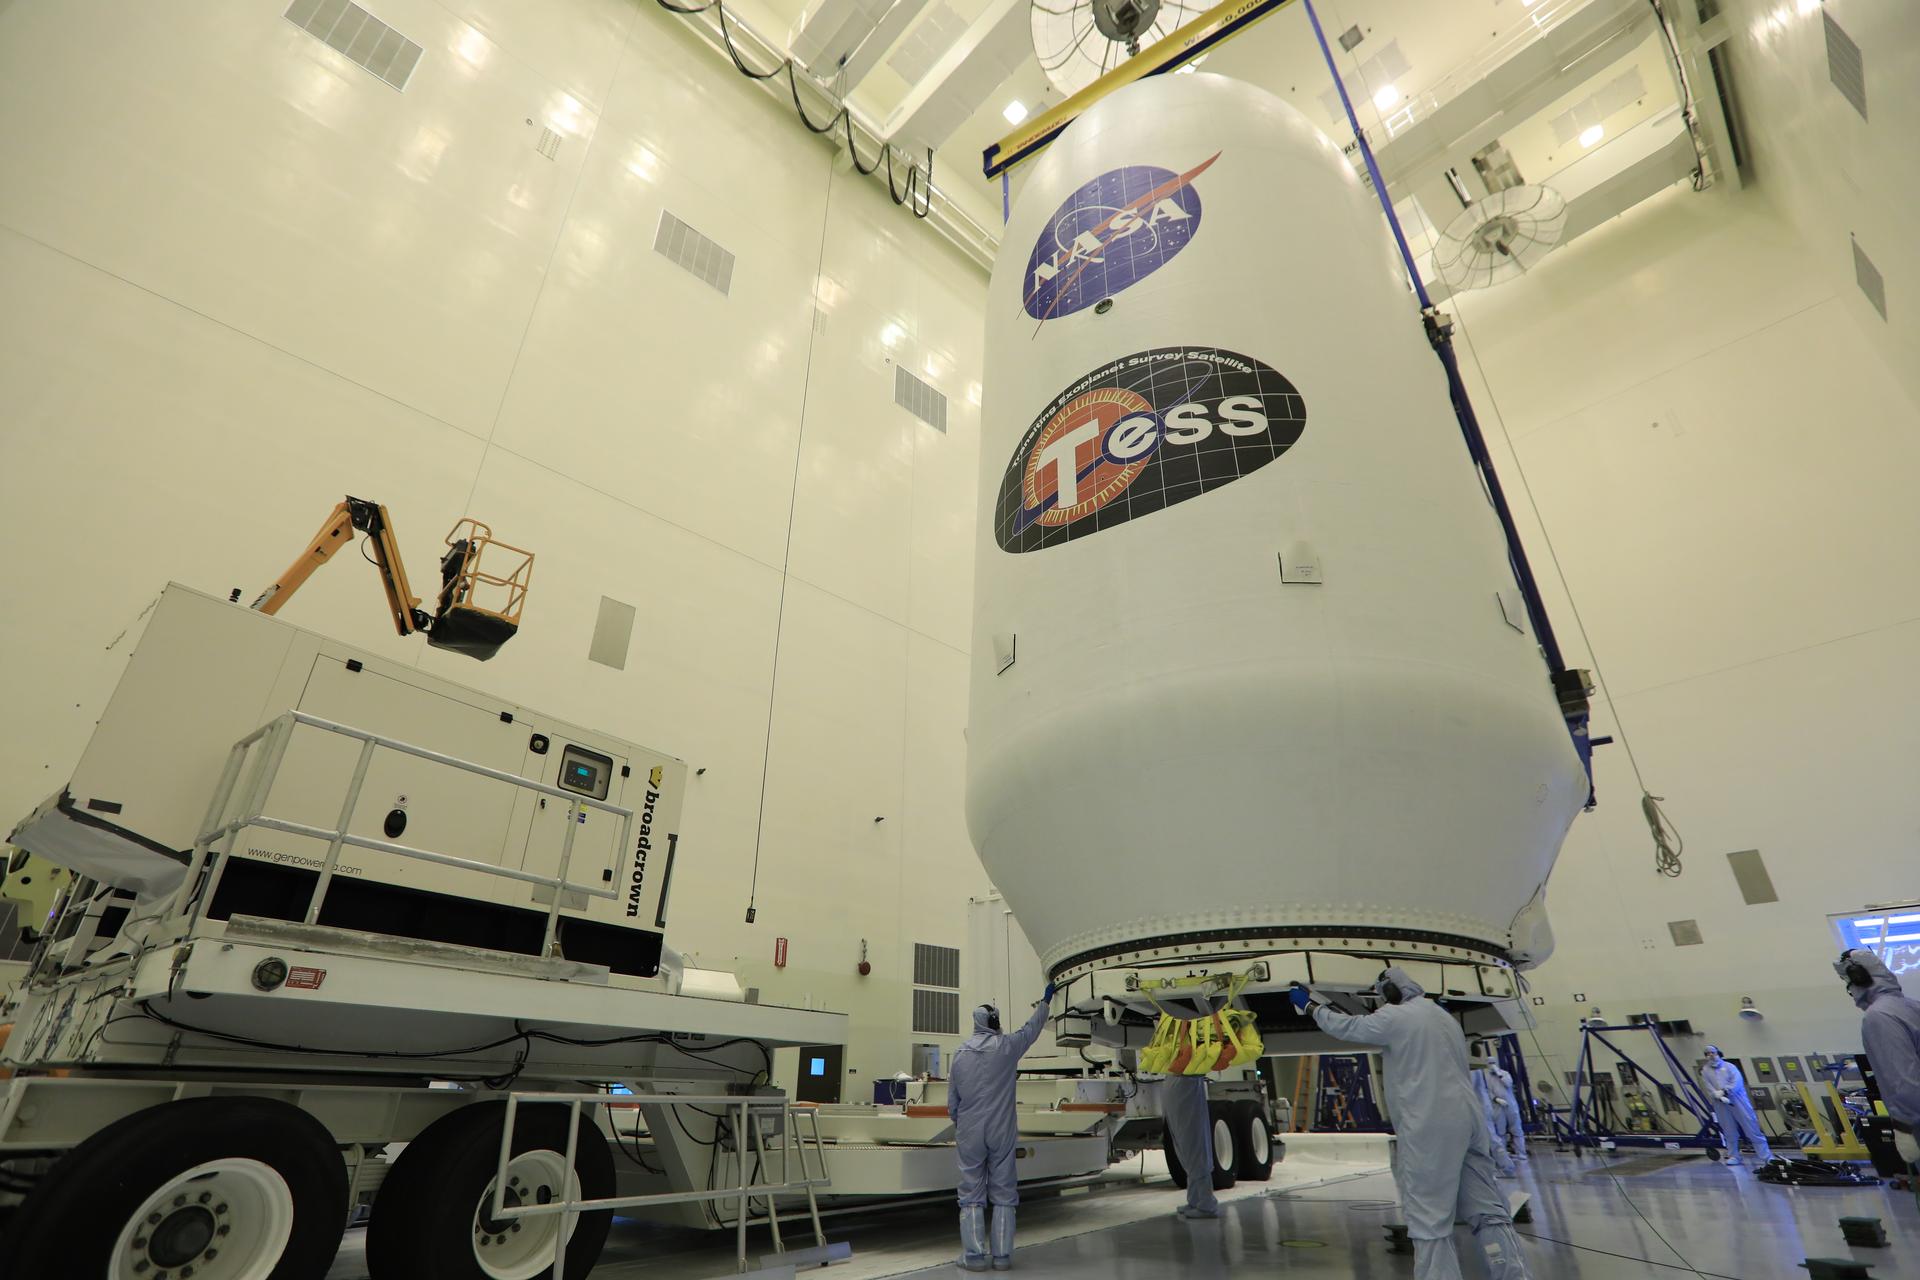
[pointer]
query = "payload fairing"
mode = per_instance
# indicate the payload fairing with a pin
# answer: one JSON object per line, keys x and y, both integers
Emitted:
{"x": 1250, "y": 670}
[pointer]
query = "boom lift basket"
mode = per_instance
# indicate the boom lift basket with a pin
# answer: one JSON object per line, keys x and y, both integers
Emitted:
{"x": 479, "y": 607}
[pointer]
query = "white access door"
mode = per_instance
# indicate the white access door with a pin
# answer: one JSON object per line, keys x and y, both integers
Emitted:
{"x": 404, "y": 799}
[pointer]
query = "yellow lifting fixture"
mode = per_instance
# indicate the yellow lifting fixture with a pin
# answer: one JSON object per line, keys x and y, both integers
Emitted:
{"x": 478, "y": 609}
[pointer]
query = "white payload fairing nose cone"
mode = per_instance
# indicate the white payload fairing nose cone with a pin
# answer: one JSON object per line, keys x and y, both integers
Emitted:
{"x": 1250, "y": 669}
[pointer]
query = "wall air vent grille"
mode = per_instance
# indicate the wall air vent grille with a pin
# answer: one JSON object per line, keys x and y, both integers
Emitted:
{"x": 936, "y": 1013}
{"x": 919, "y": 399}
{"x": 936, "y": 966}
{"x": 1869, "y": 279}
{"x": 1844, "y": 65}
{"x": 362, "y": 37}
{"x": 687, "y": 248}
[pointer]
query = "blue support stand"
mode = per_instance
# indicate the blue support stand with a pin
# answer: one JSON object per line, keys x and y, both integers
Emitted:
{"x": 1586, "y": 1128}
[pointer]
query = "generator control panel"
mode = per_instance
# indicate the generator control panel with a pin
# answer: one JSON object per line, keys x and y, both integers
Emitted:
{"x": 587, "y": 772}
{"x": 1762, "y": 1098}
{"x": 1791, "y": 1071}
{"x": 1763, "y": 1070}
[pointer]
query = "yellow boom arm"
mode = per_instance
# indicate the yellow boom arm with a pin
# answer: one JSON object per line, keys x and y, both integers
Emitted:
{"x": 461, "y": 622}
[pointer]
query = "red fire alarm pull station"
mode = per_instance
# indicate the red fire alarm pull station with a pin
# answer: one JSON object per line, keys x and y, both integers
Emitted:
{"x": 779, "y": 953}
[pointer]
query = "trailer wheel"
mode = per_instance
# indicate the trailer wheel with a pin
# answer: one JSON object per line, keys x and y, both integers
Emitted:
{"x": 199, "y": 1189}
{"x": 1255, "y": 1141}
{"x": 433, "y": 1217}
{"x": 1175, "y": 1169}
{"x": 1225, "y": 1146}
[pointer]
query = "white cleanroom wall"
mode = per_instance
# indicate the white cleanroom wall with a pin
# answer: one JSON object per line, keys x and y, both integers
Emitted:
{"x": 243, "y": 277}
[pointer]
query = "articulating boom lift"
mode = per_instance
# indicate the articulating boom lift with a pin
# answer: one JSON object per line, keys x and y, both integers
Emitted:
{"x": 459, "y": 622}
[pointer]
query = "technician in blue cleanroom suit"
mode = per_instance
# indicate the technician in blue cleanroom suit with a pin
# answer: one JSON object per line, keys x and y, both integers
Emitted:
{"x": 1183, "y": 1106}
{"x": 1511, "y": 1129}
{"x": 1890, "y": 1033}
{"x": 1482, "y": 1088}
{"x": 1443, "y": 1155}
{"x": 980, "y": 1100}
{"x": 1732, "y": 1109}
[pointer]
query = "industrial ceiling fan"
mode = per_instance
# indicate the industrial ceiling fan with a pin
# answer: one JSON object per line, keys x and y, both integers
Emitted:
{"x": 1503, "y": 234}
{"x": 1078, "y": 41}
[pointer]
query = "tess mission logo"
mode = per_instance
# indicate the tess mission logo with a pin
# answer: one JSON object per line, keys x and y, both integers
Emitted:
{"x": 1115, "y": 230}
{"x": 1140, "y": 433}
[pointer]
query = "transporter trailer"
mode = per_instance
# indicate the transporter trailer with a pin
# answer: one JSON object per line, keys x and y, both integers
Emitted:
{"x": 324, "y": 905}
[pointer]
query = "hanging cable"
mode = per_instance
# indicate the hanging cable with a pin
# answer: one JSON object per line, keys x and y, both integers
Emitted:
{"x": 1569, "y": 686}
{"x": 1700, "y": 177}
{"x": 1667, "y": 842}
{"x": 841, "y": 118}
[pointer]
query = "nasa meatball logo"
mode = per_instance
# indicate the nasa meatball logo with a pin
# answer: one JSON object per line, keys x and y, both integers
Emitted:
{"x": 1139, "y": 434}
{"x": 1110, "y": 233}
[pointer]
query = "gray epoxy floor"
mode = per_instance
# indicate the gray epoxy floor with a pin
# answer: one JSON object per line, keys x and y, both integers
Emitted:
{"x": 1672, "y": 1218}
{"x": 1593, "y": 1219}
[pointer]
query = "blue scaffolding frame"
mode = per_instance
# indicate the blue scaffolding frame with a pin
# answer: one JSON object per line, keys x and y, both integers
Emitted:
{"x": 1584, "y": 1126}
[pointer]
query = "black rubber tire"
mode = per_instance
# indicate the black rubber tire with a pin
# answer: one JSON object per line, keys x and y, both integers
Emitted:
{"x": 71, "y": 1221}
{"x": 1251, "y": 1132}
{"x": 1225, "y": 1160}
{"x": 1174, "y": 1168}
{"x": 422, "y": 1223}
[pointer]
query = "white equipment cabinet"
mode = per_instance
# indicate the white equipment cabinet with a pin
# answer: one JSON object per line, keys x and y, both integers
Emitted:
{"x": 207, "y": 673}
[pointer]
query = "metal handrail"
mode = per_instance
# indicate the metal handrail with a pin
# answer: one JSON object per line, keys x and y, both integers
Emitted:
{"x": 273, "y": 738}
{"x": 747, "y": 1128}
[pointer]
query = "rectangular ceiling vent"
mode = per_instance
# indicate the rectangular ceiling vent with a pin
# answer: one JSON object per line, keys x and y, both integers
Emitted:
{"x": 936, "y": 1012}
{"x": 1750, "y": 873}
{"x": 919, "y": 399}
{"x": 687, "y": 248}
{"x": 928, "y": 41}
{"x": 1868, "y": 277}
{"x": 358, "y": 34}
{"x": 612, "y": 634}
{"x": 1686, "y": 933}
{"x": 549, "y": 143}
{"x": 1844, "y": 65}
{"x": 936, "y": 966}
{"x": 1351, "y": 38}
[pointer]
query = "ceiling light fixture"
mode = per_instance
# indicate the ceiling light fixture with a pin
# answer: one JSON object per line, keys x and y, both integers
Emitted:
{"x": 1015, "y": 112}
{"x": 1591, "y": 134}
{"x": 1386, "y": 96}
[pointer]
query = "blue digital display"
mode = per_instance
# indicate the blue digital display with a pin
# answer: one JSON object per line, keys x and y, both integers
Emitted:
{"x": 816, "y": 1066}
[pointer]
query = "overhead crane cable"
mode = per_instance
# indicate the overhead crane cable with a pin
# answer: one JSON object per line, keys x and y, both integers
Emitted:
{"x": 1668, "y": 844}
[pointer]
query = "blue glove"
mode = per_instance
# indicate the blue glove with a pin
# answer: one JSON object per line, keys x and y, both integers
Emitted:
{"x": 1046, "y": 997}
{"x": 1301, "y": 996}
